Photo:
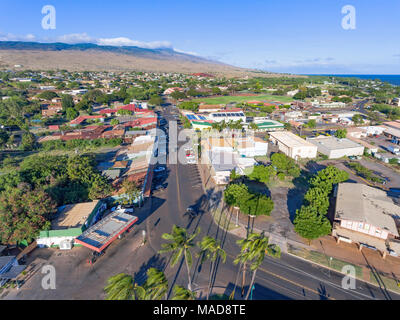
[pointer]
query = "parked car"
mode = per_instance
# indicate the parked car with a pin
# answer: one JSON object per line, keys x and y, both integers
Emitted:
{"x": 159, "y": 169}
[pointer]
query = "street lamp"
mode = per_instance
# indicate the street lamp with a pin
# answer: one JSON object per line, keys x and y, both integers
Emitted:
{"x": 237, "y": 215}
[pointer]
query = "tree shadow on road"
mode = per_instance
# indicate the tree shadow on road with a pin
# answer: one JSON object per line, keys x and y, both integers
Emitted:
{"x": 155, "y": 261}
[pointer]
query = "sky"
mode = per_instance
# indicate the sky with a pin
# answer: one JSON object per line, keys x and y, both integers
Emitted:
{"x": 291, "y": 36}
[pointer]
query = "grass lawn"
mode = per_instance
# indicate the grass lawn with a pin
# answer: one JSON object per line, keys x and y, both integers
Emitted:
{"x": 223, "y": 220}
{"x": 388, "y": 283}
{"x": 320, "y": 258}
{"x": 228, "y": 99}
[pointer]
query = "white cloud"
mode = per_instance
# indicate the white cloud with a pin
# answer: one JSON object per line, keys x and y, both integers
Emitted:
{"x": 13, "y": 37}
{"x": 75, "y": 38}
{"x": 122, "y": 41}
{"x": 186, "y": 52}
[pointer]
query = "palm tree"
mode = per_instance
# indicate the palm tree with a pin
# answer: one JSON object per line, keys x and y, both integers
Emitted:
{"x": 210, "y": 250}
{"x": 181, "y": 293}
{"x": 120, "y": 287}
{"x": 252, "y": 250}
{"x": 181, "y": 243}
{"x": 156, "y": 285}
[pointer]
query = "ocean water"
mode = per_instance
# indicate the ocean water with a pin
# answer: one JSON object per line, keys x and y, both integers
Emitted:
{"x": 391, "y": 78}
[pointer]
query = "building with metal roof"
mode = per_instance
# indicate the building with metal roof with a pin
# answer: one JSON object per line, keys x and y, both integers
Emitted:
{"x": 102, "y": 234}
{"x": 335, "y": 148}
{"x": 293, "y": 146}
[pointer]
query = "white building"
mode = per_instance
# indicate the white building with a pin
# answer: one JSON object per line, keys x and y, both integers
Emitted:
{"x": 227, "y": 116}
{"x": 293, "y": 146}
{"x": 252, "y": 147}
{"x": 336, "y": 148}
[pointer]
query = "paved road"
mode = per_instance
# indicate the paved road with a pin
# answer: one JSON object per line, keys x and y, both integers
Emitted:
{"x": 286, "y": 278}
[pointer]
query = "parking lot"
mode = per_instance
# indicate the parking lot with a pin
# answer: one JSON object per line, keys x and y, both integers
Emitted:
{"x": 383, "y": 143}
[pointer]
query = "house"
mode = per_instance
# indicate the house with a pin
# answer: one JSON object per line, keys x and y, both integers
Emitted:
{"x": 51, "y": 109}
{"x": 222, "y": 163}
{"x": 293, "y": 146}
{"x": 335, "y": 148}
{"x": 172, "y": 90}
{"x": 366, "y": 216}
{"x": 82, "y": 119}
{"x": 70, "y": 221}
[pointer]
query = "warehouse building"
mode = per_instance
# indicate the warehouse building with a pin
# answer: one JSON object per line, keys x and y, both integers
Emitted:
{"x": 293, "y": 146}
{"x": 335, "y": 148}
{"x": 70, "y": 222}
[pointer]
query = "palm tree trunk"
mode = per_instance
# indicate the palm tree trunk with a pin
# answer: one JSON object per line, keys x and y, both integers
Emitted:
{"x": 244, "y": 277}
{"x": 188, "y": 271}
{"x": 237, "y": 279}
{"x": 253, "y": 278}
{"x": 210, "y": 280}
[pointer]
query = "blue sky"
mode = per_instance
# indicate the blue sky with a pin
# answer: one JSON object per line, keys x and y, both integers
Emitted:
{"x": 296, "y": 36}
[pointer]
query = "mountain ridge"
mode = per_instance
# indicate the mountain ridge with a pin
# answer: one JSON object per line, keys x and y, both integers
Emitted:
{"x": 93, "y": 57}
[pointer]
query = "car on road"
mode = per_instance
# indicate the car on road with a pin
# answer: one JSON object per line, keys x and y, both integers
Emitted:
{"x": 191, "y": 211}
{"x": 159, "y": 169}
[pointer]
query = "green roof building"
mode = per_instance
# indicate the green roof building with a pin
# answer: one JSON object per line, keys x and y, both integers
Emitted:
{"x": 270, "y": 125}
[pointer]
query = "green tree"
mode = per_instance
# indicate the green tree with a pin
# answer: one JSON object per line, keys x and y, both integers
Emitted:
{"x": 180, "y": 245}
{"x": 285, "y": 164}
{"x": 67, "y": 102}
{"x": 257, "y": 205}
{"x": 312, "y": 124}
{"x": 123, "y": 287}
{"x": 309, "y": 224}
{"x": 155, "y": 100}
{"x": 131, "y": 191}
{"x": 252, "y": 251}
{"x": 181, "y": 293}
{"x": 3, "y": 138}
{"x": 341, "y": 133}
{"x": 72, "y": 114}
{"x": 28, "y": 141}
{"x": 234, "y": 193}
{"x": 358, "y": 119}
{"x": 120, "y": 287}
{"x": 114, "y": 122}
{"x": 211, "y": 250}
{"x": 262, "y": 173}
{"x": 47, "y": 95}
{"x": 24, "y": 212}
